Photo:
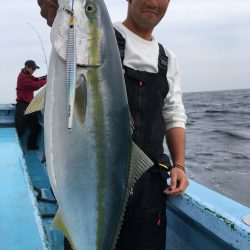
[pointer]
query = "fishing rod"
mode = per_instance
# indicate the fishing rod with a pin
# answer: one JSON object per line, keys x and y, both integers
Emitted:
{"x": 40, "y": 39}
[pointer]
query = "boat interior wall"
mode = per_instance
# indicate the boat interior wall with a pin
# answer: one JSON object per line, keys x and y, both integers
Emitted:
{"x": 36, "y": 163}
{"x": 7, "y": 115}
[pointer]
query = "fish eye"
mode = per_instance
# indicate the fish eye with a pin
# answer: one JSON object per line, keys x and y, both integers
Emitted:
{"x": 90, "y": 8}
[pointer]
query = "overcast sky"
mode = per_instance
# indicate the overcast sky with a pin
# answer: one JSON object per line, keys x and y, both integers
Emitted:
{"x": 210, "y": 37}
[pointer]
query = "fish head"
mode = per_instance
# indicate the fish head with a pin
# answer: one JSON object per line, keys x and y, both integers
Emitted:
{"x": 91, "y": 20}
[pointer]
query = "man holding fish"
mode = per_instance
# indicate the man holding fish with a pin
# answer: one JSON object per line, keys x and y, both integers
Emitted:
{"x": 155, "y": 102}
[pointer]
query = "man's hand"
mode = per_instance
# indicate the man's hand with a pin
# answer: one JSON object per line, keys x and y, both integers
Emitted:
{"x": 42, "y": 77}
{"x": 48, "y": 10}
{"x": 179, "y": 182}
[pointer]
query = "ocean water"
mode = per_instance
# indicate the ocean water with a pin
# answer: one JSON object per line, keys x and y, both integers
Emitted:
{"x": 218, "y": 141}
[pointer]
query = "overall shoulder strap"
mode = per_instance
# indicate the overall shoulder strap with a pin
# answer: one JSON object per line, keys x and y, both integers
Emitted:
{"x": 121, "y": 43}
{"x": 162, "y": 61}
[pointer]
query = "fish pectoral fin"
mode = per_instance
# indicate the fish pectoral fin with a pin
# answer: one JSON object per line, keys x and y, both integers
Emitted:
{"x": 139, "y": 163}
{"x": 37, "y": 103}
{"x": 81, "y": 99}
{"x": 58, "y": 222}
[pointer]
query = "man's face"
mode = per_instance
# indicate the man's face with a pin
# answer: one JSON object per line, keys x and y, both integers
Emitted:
{"x": 147, "y": 13}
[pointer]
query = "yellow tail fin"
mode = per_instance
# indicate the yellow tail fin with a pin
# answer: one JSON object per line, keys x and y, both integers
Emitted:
{"x": 59, "y": 224}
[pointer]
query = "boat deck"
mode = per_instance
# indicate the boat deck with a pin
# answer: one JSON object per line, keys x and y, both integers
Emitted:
{"x": 18, "y": 211}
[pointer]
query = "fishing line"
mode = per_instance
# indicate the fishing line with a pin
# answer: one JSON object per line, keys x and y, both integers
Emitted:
{"x": 52, "y": 3}
{"x": 40, "y": 39}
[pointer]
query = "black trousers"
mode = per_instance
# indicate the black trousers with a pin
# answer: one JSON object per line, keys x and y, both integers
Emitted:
{"x": 22, "y": 122}
{"x": 144, "y": 226}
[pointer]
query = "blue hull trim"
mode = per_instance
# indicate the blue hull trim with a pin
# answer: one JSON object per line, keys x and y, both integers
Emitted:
{"x": 7, "y": 115}
{"x": 204, "y": 219}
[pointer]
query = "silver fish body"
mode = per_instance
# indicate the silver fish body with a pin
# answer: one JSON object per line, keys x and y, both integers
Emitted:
{"x": 88, "y": 166}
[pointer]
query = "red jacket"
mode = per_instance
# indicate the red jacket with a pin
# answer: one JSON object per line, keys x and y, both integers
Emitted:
{"x": 27, "y": 84}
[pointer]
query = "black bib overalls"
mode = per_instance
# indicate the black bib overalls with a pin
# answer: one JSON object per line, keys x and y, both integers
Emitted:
{"x": 144, "y": 226}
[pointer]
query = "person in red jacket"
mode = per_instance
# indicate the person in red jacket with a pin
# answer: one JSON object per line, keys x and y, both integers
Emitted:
{"x": 26, "y": 85}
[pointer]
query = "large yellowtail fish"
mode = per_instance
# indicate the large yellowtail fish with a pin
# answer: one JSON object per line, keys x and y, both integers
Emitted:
{"x": 92, "y": 161}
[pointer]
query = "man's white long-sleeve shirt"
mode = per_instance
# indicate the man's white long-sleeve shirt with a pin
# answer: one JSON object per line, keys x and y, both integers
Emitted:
{"x": 142, "y": 55}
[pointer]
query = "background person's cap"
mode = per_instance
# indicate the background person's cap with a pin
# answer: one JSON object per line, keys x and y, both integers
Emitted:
{"x": 32, "y": 64}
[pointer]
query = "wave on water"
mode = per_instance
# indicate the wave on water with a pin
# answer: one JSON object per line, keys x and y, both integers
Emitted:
{"x": 232, "y": 134}
{"x": 217, "y": 111}
{"x": 228, "y": 112}
{"x": 238, "y": 156}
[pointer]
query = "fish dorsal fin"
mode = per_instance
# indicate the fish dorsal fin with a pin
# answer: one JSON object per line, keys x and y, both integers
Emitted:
{"x": 58, "y": 222}
{"x": 139, "y": 163}
{"x": 81, "y": 99}
{"x": 37, "y": 103}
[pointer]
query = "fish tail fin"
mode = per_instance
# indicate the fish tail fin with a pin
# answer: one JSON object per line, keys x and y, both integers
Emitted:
{"x": 139, "y": 164}
{"x": 37, "y": 103}
{"x": 58, "y": 222}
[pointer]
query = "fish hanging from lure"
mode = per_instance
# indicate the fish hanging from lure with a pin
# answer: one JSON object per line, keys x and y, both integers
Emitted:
{"x": 93, "y": 166}
{"x": 71, "y": 68}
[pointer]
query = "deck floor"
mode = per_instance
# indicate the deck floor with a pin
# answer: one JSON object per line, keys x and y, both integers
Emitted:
{"x": 21, "y": 226}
